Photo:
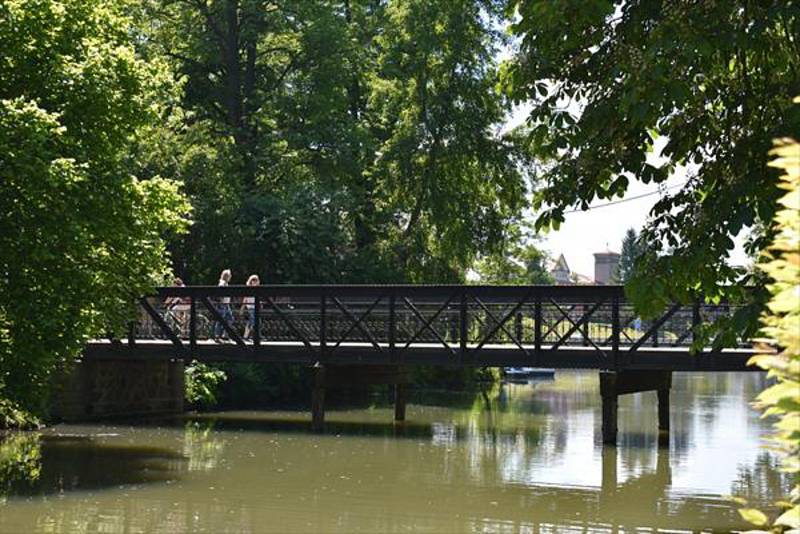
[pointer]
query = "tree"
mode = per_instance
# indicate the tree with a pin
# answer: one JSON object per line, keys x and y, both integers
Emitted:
{"x": 452, "y": 183}
{"x": 519, "y": 262}
{"x": 712, "y": 79}
{"x": 378, "y": 118}
{"x": 79, "y": 235}
{"x": 631, "y": 251}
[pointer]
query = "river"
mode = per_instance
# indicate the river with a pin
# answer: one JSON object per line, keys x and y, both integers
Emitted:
{"x": 522, "y": 458}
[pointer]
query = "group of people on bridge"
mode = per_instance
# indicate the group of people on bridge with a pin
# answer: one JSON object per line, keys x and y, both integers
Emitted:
{"x": 180, "y": 306}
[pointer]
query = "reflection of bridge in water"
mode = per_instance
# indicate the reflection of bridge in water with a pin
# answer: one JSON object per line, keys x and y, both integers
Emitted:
{"x": 368, "y": 333}
{"x": 522, "y": 507}
{"x": 645, "y": 501}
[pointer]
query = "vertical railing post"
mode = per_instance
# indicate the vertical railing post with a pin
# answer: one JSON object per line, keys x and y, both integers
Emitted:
{"x": 655, "y": 336}
{"x": 585, "y": 328}
{"x": 697, "y": 320}
{"x": 537, "y": 324}
{"x": 131, "y": 334}
{"x": 615, "y": 332}
{"x": 518, "y": 326}
{"x": 392, "y": 326}
{"x": 193, "y": 325}
{"x": 323, "y": 327}
{"x": 256, "y": 320}
{"x": 462, "y": 321}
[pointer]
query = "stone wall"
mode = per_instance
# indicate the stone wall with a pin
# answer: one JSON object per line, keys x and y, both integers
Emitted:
{"x": 117, "y": 388}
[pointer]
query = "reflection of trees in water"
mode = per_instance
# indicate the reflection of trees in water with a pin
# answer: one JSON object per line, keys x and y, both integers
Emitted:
{"x": 40, "y": 464}
{"x": 709, "y": 392}
{"x": 477, "y": 463}
{"x": 762, "y": 482}
{"x": 202, "y": 445}
{"x": 20, "y": 461}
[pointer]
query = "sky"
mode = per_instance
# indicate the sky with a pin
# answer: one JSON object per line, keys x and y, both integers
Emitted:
{"x": 585, "y": 232}
{"x": 602, "y": 228}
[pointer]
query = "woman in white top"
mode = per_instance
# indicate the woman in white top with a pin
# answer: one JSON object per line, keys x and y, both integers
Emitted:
{"x": 249, "y": 304}
{"x": 224, "y": 308}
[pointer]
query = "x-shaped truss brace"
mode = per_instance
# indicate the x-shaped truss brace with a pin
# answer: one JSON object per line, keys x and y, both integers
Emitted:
{"x": 655, "y": 326}
{"x": 553, "y": 327}
{"x": 426, "y": 323}
{"x": 162, "y": 324}
{"x": 501, "y": 324}
{"x": 357, "y": 323}
{"x": 577, "y": 325}
{"x": 296, "y": 331}
{"x": 690, "y": 331}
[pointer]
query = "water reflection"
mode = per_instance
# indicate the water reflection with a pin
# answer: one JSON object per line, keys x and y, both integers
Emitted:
{"x": 521, "y": 458}
{"x": 40, "y": 464}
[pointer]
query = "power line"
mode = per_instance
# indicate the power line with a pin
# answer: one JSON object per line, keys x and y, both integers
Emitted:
{"x": 620, "y": 201}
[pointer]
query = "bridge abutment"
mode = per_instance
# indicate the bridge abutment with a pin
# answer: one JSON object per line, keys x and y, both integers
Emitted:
{"x": 118, "y": 388}
{"x": 616, "y": 383}
{"x": 336, "y": 376}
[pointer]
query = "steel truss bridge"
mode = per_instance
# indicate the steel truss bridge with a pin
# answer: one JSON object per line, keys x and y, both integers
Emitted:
{"x": 591, "y": 327}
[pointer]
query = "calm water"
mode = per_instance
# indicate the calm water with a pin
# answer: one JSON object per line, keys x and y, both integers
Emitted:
{"x": 524, "y": 458}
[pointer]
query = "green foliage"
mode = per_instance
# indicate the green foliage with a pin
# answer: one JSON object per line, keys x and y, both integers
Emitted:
{"x": 79, "y": 235}
{"x": 262, "y": 384}
{"x": 608, "y": 79}
{"x": 518, "y": 262}
{"x": 781, "y": 263}
{"x": 202, "y": 384}
{"x": 12, "y": 417}
{"x": 335, "y": 142}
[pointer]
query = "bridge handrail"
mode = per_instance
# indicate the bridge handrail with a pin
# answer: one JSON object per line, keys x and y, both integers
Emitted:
{"x": 589, "y": 293}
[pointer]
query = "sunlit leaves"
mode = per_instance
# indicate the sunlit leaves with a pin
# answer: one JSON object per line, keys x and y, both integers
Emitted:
{"x": 782, "y": 326}
{"x": 80, "y": 236}
{"x": 756, "y": 517}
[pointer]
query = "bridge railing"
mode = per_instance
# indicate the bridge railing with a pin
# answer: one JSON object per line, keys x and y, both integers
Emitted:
{"x": 462, "y": 321}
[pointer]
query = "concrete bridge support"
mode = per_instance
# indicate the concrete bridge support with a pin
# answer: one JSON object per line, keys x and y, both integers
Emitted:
{"x": 337, "y": 376}
{"x": 616, "y": 383}
{"x": 100, "y": 389}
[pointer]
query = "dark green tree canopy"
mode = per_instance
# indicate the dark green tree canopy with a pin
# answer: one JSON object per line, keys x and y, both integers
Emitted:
{"x": 378, "y": 118}
{"x": 714, "y": 78}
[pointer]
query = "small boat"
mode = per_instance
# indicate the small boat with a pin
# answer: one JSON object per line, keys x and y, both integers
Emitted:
{"x": 515, "y": 373}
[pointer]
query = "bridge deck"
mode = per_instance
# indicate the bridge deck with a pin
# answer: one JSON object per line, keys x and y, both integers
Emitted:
{"x": 665, "y": 358}
{"x": 589, "y": 327}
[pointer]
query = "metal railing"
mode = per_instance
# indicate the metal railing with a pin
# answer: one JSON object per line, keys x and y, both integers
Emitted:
{"x": 459, "y": 321}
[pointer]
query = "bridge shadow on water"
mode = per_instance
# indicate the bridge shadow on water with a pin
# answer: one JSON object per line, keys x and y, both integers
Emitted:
{"x": 336, "y": 427}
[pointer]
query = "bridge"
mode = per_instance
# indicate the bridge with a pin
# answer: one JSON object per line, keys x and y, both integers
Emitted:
{"x": 386, "y": 327}
{"x": 590, "y": 327}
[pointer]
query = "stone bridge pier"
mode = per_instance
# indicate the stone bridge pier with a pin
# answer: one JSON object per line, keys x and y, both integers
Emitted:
{"x": 98, "y": 389}
{"x": 337, "y": 376}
